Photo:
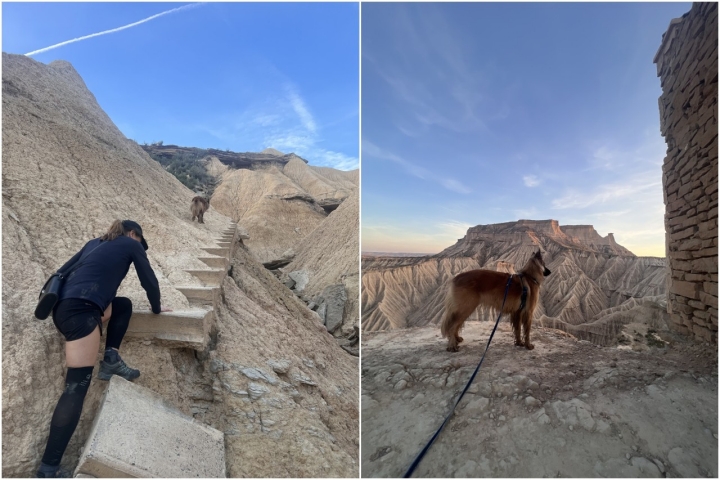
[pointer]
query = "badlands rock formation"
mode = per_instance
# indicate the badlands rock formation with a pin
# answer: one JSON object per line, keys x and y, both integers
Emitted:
{"x": 273, "y": 380}
{"x": 303, "y": 420}
{"x": 271, "y": 205}
{"x": 281, "y": 203}
{"x": 592, "y": 276}
{"x": 565, "y": 409}
{"x": 328, "y": 257}
{"x": 309, "y": 214}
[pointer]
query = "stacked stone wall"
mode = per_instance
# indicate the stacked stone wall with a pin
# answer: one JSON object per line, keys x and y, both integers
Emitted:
{"x": 687, "y": 64}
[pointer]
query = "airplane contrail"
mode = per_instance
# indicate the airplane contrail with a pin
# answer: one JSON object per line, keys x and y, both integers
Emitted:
{"x": 113, "y": 30}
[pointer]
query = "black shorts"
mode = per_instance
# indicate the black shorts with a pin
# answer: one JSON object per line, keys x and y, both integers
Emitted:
{"x": 76, "y": 318}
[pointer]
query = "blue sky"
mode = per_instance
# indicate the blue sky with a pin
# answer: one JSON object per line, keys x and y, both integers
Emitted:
{"x": 238, "y": 76}
{"x": 486, "y": 113}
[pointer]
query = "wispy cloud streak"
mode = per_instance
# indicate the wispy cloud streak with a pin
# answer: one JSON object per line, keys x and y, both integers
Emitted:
{"x": 369, "y": 148}
{"x": 632, "y": 189}
{"x": 125, "y": 27}
{"x": 282, "y": 121}
{"x": 299, "y": 106}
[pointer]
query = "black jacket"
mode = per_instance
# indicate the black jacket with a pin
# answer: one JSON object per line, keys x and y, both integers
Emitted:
{"x": 105, "y": 265}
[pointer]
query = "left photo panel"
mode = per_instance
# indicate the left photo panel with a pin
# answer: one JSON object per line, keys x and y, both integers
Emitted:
{"x": 180, "y": 240}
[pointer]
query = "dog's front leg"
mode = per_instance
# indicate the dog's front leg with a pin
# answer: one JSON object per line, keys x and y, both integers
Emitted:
{"x": 527, "y": 324}
{"x": 516, "y": 329}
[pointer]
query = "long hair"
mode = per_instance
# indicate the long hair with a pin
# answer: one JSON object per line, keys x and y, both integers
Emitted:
{"x": 116, "y": 230}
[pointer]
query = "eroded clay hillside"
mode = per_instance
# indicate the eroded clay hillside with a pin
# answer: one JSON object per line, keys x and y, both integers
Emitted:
{"x": 328, "y": 260}
{"x": 304, "y": 216}
{"x": 281, "y": 204}
{"x": 68, "y": 172}
{"x": 593, "y": 277}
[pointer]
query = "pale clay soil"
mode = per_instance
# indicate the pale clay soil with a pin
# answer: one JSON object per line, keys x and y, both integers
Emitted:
{"x": 567, "y": 408}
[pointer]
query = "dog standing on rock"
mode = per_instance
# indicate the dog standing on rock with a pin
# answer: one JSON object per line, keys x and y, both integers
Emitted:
{"x": 487, "y": 287}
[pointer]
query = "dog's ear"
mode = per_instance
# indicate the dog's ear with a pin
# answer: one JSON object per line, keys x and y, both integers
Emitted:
{"x": 538, "y": 255}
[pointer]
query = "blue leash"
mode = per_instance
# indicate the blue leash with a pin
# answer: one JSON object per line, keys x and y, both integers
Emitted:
{"x": 422, "y": 453}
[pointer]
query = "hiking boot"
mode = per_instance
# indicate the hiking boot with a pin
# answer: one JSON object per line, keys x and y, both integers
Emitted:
{"x": 59, "y": 474}
{"x": 118, "y": 368}
{"x": 46, "y": 471}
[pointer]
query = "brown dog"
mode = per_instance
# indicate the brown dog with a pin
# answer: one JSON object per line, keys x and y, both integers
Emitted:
{"x": 487, "y": 287}
{"x": 198, "y": 207}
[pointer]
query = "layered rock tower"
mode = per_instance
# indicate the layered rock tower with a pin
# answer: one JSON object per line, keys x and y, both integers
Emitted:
{"x": 687, "y": 64}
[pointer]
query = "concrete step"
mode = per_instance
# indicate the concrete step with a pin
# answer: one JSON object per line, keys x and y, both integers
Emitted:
{"x": 200, "y": 294}
{"x": 214, "y": 262}
{"x": 137, "y": 433}
{"x": 211, "y": 278}
{"x": 178, "y": 329}
{"x": 193, "y": 341}
{"x": 223, "y": 252}
{"x": 223, "y": 244}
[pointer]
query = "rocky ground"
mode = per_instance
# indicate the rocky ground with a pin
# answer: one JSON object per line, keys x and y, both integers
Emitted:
{"x": 282, "y": 390}
{"x": 568, "y": 408}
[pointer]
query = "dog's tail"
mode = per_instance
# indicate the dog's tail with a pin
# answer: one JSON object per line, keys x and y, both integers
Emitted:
{"x": 449, "y": 311}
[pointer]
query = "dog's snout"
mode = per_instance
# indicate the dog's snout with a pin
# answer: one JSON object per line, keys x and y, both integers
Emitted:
{"x": 546, "y": 272}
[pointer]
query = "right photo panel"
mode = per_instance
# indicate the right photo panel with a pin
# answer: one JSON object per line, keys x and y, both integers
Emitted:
{"x": 539, "y": 240}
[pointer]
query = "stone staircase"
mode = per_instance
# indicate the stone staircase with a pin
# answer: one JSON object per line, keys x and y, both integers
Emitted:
{"x": 190, "y": 328}
{"x": 136, "y": 433}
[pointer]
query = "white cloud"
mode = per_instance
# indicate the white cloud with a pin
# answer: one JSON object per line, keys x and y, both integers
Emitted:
{"x": 302, "y": 111}
{"x": 284, "y": 122}
{"x": 290, "y": 141}
{"x": 327, "y": 158}
{"x": 531, "y": 181}
{"x": 125, "y": 27}
{"x": 631, "y": 189}
{"x": 369, "y": 148}
{"x": 432, "y": 70}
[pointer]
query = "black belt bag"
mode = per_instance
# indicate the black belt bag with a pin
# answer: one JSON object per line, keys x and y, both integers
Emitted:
{"x": 49, "y": 295}
{"x": 51, "y": 290}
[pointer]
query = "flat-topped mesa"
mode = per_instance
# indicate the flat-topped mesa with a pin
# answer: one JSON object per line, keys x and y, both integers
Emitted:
{"x": 525, "y": 232}
{"x": 549, "y": 228}
{"x": 533, "y": 233}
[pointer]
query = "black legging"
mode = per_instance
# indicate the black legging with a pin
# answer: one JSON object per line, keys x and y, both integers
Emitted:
{"x": 69, "y": 407}
{"x": 67, "y": 414}
{"x": 118, "y": 323}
